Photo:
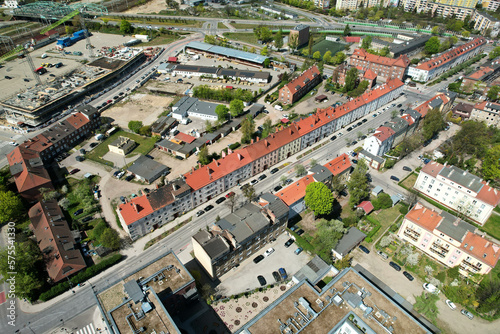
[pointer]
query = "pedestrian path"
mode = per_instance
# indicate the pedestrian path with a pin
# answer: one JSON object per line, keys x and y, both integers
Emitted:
{"x": 89, "y": 329}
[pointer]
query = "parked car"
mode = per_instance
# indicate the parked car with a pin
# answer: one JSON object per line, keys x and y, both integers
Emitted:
{"x": 300, "y": 232}
{"x": 109, "y": 101}
{"x": 349, "y": 129}
{"x": 277, "y": 188}
{"x": 364, "y": 249}
{"x": 408, "y": 275}
{"x": 298, "y": 250}
{"x": 262, "y": 177}
{"x": 283, "y": 273}
{"x": 467, "y": 314}
{"x": 333, "y": 138}
{"x": 82, "y": 151}
{"x": 289, "y": 242}
{"x": 80, "y": 158}
{"x": 74, "y": 171}
{"x": 208, "y": 208}
{"x": 78, "y": 212}
{"x": 86, "y": 219}
{"x": 123, "y": 199}
{"x": 450, "y": 304}
{"x": 220, "y": 200}
{"x": 276, "y": 276}
{"x": 129, "y": 177}
{"x": 268, "y": 252}
{"x": 92, "y": 145}
{"x": 406, "y": 168}
{"x": 383, "y": 255}
{"x": 229, "y": 194}
{"x": 254, "y": 182}
{"x": 395, "y": 266}
{"x": 430, "y": 288}
{"x": 426, "y": 161}
{"x": 262, "y": 280}
{"x": 354, "y": 142}
{"x": 274, "y": 171}
{"x": 258, "y": 259}
{"x": 199, "y": 213}
{"x": 394, "y": 178}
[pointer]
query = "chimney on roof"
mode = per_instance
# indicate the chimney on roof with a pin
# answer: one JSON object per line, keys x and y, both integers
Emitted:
{"x": 251, "y": 141}
{"x": 199, "y": 164}
{"x": 239, "y": 157}
{"x": 136, "y": 208}
{"x": 157, "y": 186}
{"x": 192, "y": 170}
{"x": 229, "y": 151}
{"x": 258, "y": 138}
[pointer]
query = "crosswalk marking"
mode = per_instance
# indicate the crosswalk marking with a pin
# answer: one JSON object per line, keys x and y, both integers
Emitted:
{"x": 89, "y": 329}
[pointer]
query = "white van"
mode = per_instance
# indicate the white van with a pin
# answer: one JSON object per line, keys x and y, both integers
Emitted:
{"x": 278, "y": 107}
{"x": 44, "y": 56}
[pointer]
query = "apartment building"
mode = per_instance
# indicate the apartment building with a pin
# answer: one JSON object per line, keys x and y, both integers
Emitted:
{"x": 484, "y": 21}
{"x": 449, "y": 240}
{"x": 487, "y": 112}
{"x": 53, "y": 236}
{"x": 340, "y": 74}
{"x": 385, "y": 68}
{"x": 411, "y": 5}
{"x": 355, "y": 4}
{"x": 147, "y": 212}
{"x": 442, "y": 101}
{"x": 491, "y": 5}
{"x": 379, "y": 142}
{"x": 239, "y": 235}
{"x": 445, "y": 10}
{"x": 302, "y": 32}
{"x": 322, "y": 4}
{"x": 458, "y": 190}
{"x": 443, "y": 62}
{"x": 341, "y": 166}
{"x": 298, "y": 87}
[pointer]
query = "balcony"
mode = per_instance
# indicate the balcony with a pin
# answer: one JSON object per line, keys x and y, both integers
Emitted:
{"x": 412, "y": 234}
{"x": 440, "y": 247}
{"x": 474, "y": 266}
{"x": 441, "y": 254}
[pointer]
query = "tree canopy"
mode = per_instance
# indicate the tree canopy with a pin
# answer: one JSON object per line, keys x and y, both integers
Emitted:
{"x": 319, "y": 198}
{"x": 222, "y": 112}
{"x": 236, "y": 107}
{"x": 135, "y": 126}
{"x": 493, "y": 93}
{"x": 347, "y": 30}
{"x": 491, "y": 164}
{"x": 351, "y": 79}
{"x": 366, "y": 43}
{"x": 494, "y": 53}
{"x": 433, "y": 123}
{"x": 11, "y": 207}
{"x": 358, "y": 184}
{"x": 126, "y": 27}
{"x": 263, "y": 33}
{"x": 432, "y": 45}
{"x": 278, "y": 39}
{"x": 247, "y": 129}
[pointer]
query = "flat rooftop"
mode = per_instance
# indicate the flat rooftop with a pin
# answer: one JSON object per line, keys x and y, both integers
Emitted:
{"x": 310, "y": 311}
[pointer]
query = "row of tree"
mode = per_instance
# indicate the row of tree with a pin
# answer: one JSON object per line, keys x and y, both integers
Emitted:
{"x": 228, "y": 95}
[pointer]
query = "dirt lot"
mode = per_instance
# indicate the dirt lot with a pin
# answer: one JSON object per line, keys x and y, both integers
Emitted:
{"x": 153, "y": 6}
{"x": 143, "y": 107}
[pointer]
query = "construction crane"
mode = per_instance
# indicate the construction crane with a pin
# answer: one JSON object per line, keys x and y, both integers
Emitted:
{"x": 22, "y": 50}
{"x": 67, "y": 18}
{"x": 11, "y": 53}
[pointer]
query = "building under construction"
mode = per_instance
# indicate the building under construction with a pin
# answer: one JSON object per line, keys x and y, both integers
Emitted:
{"x": 40, "y": 103}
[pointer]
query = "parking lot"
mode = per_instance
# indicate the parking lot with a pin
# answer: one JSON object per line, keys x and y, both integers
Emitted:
{"x": 244, "y": 278}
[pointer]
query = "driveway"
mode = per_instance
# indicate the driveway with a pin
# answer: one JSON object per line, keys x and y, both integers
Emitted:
{"x": 448, "y": 320}
{"x": 244, "y": 278}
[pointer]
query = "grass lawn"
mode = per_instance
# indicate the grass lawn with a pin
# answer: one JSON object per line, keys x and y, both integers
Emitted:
{"x": 409, "y": 181}
{"x": 145, "y": 145}
{"x": 387, "y": 216}
{"x": 244, "y": 25}
{"x": 188, "y": 23}
{"x": 164, "y": 39}
{"x": 246, "y": 37}
{"x": 221, "y": 25}
{"x": 325, "y": 45}
{"x": 492, "y": 226}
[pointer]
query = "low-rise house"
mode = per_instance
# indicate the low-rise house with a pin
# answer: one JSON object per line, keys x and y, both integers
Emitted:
{"x": 162, "y": 126}
{"x": 352, "y": 239}
{"x": 458, "y": 190}
{"x": 294, "y": 195}
{"x": 299, "y": 86}
{"x": 192, "y": 107}
{"x": 462, "y": 110}
{"x": 122, "y": 145}
{"x": 239, "y": 235}
{"x": 147, "y": 170}
{"x": 372, "y": 160}
{"x": 449, "y": 240}
{"x": 61, "y": 256}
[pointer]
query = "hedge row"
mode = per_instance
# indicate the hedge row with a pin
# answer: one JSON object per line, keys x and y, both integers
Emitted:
{"x": 81, "y": 277}
{"x": 375, "y": 229}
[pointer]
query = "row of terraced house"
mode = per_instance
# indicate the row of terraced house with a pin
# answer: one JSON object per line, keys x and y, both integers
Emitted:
{"x": 142, "y": 215}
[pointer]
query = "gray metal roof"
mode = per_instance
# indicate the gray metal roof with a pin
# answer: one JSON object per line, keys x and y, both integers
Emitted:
{"x": 133, "y": 290}
{"x": 377, "y": 190}
{"x": 232, "y": 53}
{"x": 453, "y": 226}
{"x": 350, "y": 240}
{"x": 243, "y": 73}
{"x": 321, "y": 173}
{"x": 170, "y": 145}
{"x": 313, "y": 271}
{"x": 397, "y": 124}
{"x": 395, "y": 199}
{"x": 147, "y": 168}
{"x": 214, "y": 246}
{"x": 436, "y": 103}
{"x": 371, "y": 156}
{"x": 462, "y": 177}
{"x": 195, "y": 68}
{"x": 244, "y": 222}
{"x": 189, "y": 104}
{"x": 255, "y": 108}
{"x": 278, "y": 208}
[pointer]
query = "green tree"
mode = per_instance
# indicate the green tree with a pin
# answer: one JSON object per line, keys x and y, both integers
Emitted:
{"x": 366, "y": 43}
{"x": 466, "y": 33}
{"x": 319, "y": 198}
{"x": 339, "y": 58}
{"x": 236, "y": 107}
{"x": 426, "y": 305}
{"x": 249, "y": 192}
{"x": 433, "y": 123}
{"x": 263, "y": 34}
{"x": 267, "y": 127}
{"x": 435, "y": 30}
{"x": 135, "y": 126}
{"x": 494, "y": 53}
{"x": 338, "y": 184}
{"x": 247, "y": 129}
{"x": 351, "y": 79}
{"x": 222, "y": 112}
{"x": 472, "y": 139}
{"x": 347, "y": 30}
{"x": 264, "y": 51}
{"x": 145, "y": 130}
{"x": 317, "y": 55}
{"x": 327, "y": 57}
{"x": 385, "y": 51}
{"x": 11, "y": 207}
{"x": 300, "y": 170}
{"x": 491, "y": 164}
{"x": 310, "y": 45}
{"x": 358, "y": 184}
{"x": 383, "y": 201}
{"x": 293, "y": 41}
{"x": 278, "y": 39}
{"x": 209, "y": 126}
{"x": 210, "y": 39}
{"x": 110, "y": 239}
{"x": 204, "y": 156}
{"x": 126, "y": 28}
{"x": 432, "y": 45}
{"x": 493, "y": 93}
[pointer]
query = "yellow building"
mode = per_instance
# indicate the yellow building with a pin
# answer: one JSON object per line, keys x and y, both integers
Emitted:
{"x": 459, "y": 3}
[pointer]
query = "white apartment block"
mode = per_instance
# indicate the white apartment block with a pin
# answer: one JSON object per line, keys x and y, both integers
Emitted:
{"x": 449, "y": 240}
{"x": 458, "y": 190}
{"x": 354, "y": 4}
{"x": 487, "y": 112}
{"x": 491, "y": 5}
{"x": 485, "y": 21}
{"x": 323, "y": 4}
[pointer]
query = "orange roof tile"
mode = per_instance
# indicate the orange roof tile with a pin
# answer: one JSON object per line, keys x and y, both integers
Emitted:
{"x": 339, "y": 164}
{"x": 33, "y": 173}
{"x": 370, "y": 75}
{"x": 408, "y": 118}
{"x": 306, "y": 76}
{"x": 37, "y": 143}
{"x": 432, "y": 168}
{"x": 424, "y": 217}
{"x": 401, "y": 61}
{"x": 451, "y": 54}
{"x": 482, "y": 249}
{"x": 185, "y": 137}
{"x": 295, "y": 191}
{"x": 383, "y": 133}
{"x": 489, "y": 194}
{"x": 424, "y": 108}
{"x": 478, "y": 74}
{"x": 77, "y": 120}
{"x": 136, "y": 209}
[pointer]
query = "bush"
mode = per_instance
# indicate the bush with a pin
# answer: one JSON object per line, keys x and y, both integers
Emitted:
{"x": 389, "y": 163}
{"x": 368, "y": 239}
{"x": 80, "y": 277}
{"x": 234, "y": 146}
{"x": 135, "y": 126}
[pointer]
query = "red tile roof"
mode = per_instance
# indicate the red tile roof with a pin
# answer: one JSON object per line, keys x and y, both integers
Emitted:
{"x": 424, "y": 217}
{"x": 339, "y": 164}
{"x": 295, "y": 191}
{"x": 451, "y": 54}
{"x": 432, "y": 168}
{"x": 424, "y": 108}
{"x": 55, "y": 240}
{"x": 482, "y": 249}
{"x": 367, "y": 206}
{"x": 479, "y": 73}
{"x": 352, "y": 39}
{"x": 185, "y": 137}
{"x": 77, "y": 120}
{"x": 172, "y": 59}
{"x": 489, "y": 194}
{"x": 401, "y": 61}
{"x": 37, "y": 143}
{"x": 135, "y": 209}
{"x": 370, "y": 75}
{"x": 408, "y": 118}
{"x": 301, "y": 80}
{"x": 383, "y": 133}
